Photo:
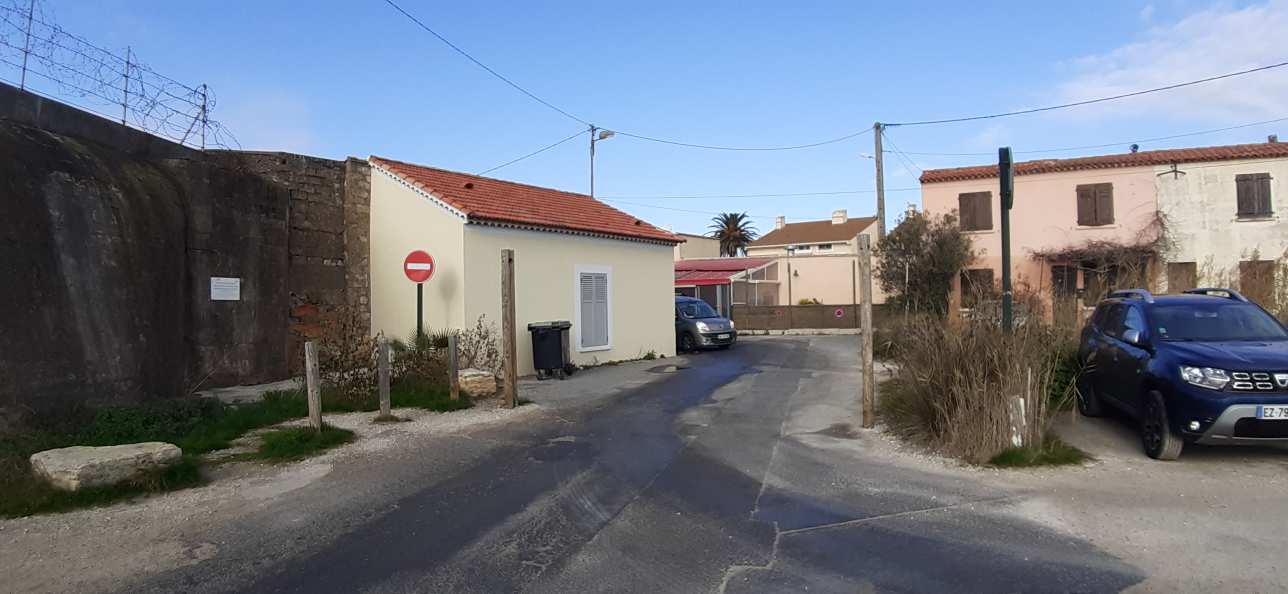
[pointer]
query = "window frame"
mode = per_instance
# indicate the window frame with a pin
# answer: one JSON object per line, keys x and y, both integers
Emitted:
{"x": 581, "y": 270}
{"x": 1255, "y": 182}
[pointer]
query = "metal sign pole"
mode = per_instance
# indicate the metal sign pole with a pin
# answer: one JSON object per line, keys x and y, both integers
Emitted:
{"x": 1007, "y": 193}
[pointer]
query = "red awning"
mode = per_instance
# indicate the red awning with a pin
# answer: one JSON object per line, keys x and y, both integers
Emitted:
{"x": 714, "y": 271}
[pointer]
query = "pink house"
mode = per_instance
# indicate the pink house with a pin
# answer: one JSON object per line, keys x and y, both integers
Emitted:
{"x": 1068, "y": 214}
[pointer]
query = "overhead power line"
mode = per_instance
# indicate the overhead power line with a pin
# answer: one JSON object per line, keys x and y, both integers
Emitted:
{"x": 569, "y": 115}
{"x": 747, "y": 148}
{"x": 788, "y": 195}
{"x": 533, "y": 153}
{"x": 1100, "y": 146}
{"x": 709, "y": 212}
{"x": 1092, "y": 101}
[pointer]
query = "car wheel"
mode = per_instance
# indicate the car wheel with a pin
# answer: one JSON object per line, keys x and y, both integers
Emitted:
{"x": 686, "y": 342}
{"x": 1088, "y": 402}
{"x": 1161, "y": 441}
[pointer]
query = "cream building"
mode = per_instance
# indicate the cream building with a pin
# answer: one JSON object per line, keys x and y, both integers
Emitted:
{"x": 696, "y": 246}
{"x": 576, "y": 259}
{"x": 817, "y": 259}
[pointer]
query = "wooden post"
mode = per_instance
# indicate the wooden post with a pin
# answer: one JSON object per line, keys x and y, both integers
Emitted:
{"x": 382, "y": 363}
{"x": 510, "y": 368}
{"x": 312, "y": 383}
{"x": 453, "y": 367}
{"x": 865, "y": 316}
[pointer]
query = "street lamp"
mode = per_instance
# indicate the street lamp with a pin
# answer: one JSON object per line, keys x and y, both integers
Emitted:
{"x": 596, "y": 135}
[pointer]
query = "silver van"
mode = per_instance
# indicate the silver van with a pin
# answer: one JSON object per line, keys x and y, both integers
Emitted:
{"x": 698, "y": 326}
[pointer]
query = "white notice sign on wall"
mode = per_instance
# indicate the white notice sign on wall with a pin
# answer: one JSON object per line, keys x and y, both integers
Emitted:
{"x": 223, "y": 288}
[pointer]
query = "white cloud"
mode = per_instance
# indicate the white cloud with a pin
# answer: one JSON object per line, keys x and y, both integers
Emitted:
{"x": 1205, "y": 43}
{"x": 1147, "y": 13}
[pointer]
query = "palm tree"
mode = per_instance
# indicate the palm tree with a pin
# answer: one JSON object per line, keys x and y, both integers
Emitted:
{"x": 735, "y": 232}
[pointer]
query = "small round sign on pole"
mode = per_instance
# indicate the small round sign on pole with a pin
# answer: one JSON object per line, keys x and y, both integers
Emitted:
{"x": 840, "y": 313}
{"x": 418, "y": 266}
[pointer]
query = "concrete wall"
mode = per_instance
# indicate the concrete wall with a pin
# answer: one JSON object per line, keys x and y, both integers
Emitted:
{"x": 108, "y": 242}
{"x": 641, "y": 302}
{"x": 404, "y": 219}
{"x": 697, "y": 246}
{"x": 1045, "y": 216}
{"x": 1201, "y": 208}
{"x": 829, "y": 279}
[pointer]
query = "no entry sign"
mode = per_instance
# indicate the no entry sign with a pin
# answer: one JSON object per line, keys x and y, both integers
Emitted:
{"x": 418, "y": 266}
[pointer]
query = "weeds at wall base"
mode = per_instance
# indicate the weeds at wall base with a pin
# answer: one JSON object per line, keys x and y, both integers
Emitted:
{"x": 1052, "y": 453}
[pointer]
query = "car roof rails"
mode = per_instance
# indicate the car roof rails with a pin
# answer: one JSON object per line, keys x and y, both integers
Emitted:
{"x": 1218, "y": 292}
{"x": 1141, "y": 294}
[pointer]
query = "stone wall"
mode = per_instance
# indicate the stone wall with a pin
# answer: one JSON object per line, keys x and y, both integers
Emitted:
{"x": 108, "y": 242}
{"x": 328, "y": 217}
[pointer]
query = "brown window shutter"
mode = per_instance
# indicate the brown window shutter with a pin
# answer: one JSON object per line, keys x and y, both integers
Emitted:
{"x": 1104, "y": 204}
{"x": 1246, "y": 189}
{"x": 1263, "y": 194}
{"x": 984, "y": 216}
{"x": 1086, "y": 206}
{"x": 966, "y": 212}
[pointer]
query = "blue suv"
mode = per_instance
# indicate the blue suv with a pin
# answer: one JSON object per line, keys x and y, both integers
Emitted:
{"x": 1207, "y": 366}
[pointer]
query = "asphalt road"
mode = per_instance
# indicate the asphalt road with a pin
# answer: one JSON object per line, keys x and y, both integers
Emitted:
{"x": 742, "y": 473}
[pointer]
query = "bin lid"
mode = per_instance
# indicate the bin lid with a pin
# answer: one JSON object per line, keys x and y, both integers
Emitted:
{"x": 555, "y": 325}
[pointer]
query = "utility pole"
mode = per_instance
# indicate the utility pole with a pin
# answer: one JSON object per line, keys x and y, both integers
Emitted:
{"x": 869, "y": 394}
{"x": 877, "y": 130}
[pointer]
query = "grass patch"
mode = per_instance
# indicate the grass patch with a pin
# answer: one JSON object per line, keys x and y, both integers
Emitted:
{"x": 1053, "y": 452}
{"x": 196, "y": 425}
{"x": 23, "y": 495}
{"x": 296, "y": 443}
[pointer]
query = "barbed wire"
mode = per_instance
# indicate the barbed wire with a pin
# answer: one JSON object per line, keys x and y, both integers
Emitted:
{"x": 48, "y": 60}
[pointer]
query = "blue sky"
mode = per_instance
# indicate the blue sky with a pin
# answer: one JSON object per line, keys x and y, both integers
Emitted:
{"x": 356, "y": 78}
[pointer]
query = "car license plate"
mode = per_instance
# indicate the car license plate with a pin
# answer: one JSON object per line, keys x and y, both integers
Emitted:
{"x": 722, "y": 336}
{"x": 1278, "y": 413}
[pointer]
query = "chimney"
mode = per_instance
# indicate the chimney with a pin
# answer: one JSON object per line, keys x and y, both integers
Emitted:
{"x": 780, "y": 222}
{"x": 1273, "y": 138}
{"x": 839, "y": 217}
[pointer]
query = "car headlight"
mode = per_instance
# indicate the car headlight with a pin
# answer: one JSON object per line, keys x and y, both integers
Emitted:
{"x": 732, "y": 326}
{"x": 702, "y": 326}
{"x": 1205, "y": 377}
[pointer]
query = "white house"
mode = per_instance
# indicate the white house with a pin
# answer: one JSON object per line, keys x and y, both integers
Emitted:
{"x": 1226, "y": 216}
{"x": 576, "y": 259}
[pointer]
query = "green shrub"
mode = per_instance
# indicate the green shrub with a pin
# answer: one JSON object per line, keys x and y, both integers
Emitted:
{"x": 1053, "y": 452}
{"x": 295, "y": 443}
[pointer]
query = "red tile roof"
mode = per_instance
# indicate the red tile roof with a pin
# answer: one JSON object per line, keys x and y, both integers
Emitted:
{"x": 488, "y": 200}
{"x": 1265, "y": 150}
{"x": 714, "y": 271}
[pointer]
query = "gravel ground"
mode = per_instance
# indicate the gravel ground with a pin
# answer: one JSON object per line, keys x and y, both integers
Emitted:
{"x": 70, "y": 552}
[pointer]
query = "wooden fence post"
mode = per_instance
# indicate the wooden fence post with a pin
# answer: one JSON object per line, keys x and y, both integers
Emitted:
{"x": 865, "y": 309}
{"x": 510, "y": 365}
{"x": 312, "y": 381}
{"x": 453, "y": 367}
{"x": 382, "y": 363}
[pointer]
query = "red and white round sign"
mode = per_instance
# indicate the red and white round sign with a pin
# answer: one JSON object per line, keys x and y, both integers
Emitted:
{"x": 840, "y": 313}
{"x": 418, "y": 266}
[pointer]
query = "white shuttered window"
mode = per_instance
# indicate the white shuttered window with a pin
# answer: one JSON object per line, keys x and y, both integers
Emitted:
{"x": 593, "y": 314}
